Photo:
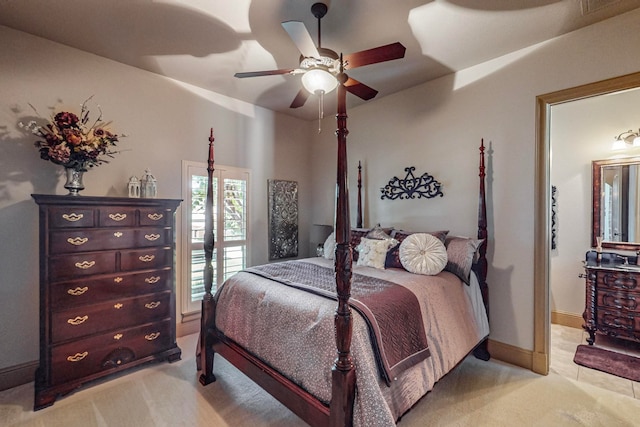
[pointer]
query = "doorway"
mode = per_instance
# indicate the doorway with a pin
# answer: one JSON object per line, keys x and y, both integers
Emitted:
{"x": 542, "y": 225}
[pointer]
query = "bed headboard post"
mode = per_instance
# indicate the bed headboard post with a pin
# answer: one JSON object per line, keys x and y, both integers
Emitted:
{"x": 480, "y": 267}
{"x": 209, "y": 238}
{"x": 343, "y": 371}
{"x": 205, "y": 355}
{"x": 359, "y": 216}
{"x": 482, "y": 230}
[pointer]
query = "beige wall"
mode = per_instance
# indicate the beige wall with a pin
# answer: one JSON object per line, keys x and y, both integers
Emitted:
{"x": 166, "y": 122}
{"x": 582, "y": 131}
{"x": 437, "y": 127}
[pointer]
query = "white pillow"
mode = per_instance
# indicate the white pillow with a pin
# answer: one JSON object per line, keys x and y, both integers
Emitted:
{"x": 373, "y": 252}
{"x": 423, "y": 253}
{"x": 329, "y": 246}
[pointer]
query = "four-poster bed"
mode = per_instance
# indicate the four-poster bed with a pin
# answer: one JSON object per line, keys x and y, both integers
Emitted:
{"x": 284, "y": 355}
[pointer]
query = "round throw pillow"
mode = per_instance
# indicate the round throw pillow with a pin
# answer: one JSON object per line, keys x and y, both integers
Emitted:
{"x": 422, "y": 253}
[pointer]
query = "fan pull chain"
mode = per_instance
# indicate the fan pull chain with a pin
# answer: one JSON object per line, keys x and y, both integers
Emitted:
{"x": 320, "y": 110}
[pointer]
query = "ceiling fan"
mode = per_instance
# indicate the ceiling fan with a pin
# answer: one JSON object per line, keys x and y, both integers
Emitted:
{"x": 320, "y": 66}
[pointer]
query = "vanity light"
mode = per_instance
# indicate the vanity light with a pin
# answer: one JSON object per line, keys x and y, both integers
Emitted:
{"x": 626, "y": 140}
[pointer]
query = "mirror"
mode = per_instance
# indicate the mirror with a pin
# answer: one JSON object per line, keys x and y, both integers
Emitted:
{"x": 616, "y": 203}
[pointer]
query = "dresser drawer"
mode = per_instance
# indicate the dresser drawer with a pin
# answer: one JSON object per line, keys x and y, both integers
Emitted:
{"x": 86, "y": 264}
{"x": 152, "y": 236}
{"x": 91, "y": 290}
{"x": 618, "y": 280}
{"x": 109, "y": 350}
{"x": 141, "y": 259}
{"x": 117, "y": 216}
{"x": 118, "y": 313}
{"x": 155, "y": 216}
{"x": 71, "y": 216}
{"x": 624, "y": 325}
{"x": 84, "y": 240}
{"x": 625, "y": 302}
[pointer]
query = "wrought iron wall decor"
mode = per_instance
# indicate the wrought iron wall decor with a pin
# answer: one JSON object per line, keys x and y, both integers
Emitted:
{"x": 411, "y": 187}
{"x": 283, "y": 219}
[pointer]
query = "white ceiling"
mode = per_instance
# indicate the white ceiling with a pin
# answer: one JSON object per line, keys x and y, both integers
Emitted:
{"x": 204, "y": 42}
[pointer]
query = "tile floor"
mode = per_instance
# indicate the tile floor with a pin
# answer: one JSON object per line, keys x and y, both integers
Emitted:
{"x": 564, "y": 341}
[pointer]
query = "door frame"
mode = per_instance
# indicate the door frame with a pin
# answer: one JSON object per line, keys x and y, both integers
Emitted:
{"x": 542, "y": 204}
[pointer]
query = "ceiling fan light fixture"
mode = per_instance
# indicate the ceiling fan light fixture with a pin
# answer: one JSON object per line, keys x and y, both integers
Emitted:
{"x": 319, "y": 80}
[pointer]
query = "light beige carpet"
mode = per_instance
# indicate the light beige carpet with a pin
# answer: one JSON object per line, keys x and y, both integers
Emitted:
{"x": 476, "y": 393}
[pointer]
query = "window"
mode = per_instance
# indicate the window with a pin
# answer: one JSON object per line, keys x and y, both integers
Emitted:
{"x": 230, "y": 220}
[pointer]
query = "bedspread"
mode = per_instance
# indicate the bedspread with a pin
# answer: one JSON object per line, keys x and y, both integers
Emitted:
{"x": 392, "y": 312}
{"x": 293, "y": 331}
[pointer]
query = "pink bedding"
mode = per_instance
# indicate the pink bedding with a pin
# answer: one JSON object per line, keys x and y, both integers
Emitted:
{"x": 293, "y": 331}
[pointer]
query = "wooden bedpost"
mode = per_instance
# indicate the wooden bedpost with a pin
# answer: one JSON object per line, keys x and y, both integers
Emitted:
{"x": 207, "y": 320}
{"x": 481, "y": 351}
{"x": 343, "y": 371}
{"x": 359, "y": 217}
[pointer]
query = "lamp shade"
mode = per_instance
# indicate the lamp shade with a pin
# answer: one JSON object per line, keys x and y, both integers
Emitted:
{"x": 319, "y": 80}
{"x": 320, "y": 232}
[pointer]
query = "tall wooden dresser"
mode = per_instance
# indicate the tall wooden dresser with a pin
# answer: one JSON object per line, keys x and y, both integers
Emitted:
{"x": 107, "y": 288}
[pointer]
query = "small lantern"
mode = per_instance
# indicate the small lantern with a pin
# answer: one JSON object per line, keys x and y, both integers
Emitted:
{"x": 134, "y": 187}
{"x": 148, "y": 185}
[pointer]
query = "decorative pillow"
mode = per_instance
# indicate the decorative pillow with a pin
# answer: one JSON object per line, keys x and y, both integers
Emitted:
{"x": 461, "y": 252}
{"x": 329, "y": 247}
{"x": 379, "y": 233}
{"x": 354, "y": 240}
{"x": 423, "y": 253}
{"x": 373, "y": 251}
{"x": 393, "y": 256}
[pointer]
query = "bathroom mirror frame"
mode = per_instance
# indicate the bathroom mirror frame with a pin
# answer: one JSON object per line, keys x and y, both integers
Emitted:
{"x": 596, "y": 201}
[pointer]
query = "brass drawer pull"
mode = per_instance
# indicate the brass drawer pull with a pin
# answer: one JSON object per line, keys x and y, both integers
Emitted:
{"x": 152, "y": 237}
{"x": 72, "y": 217}
{"x": 147, "y": 258}
{"x": 77, "y": 241}
{"x": 118, "y": 306}
{"x": 155, "y": 216}
{"x": 153, "y": 279}
{"x": 152, "y": 305}
{"x": 152, "y": 336}
{"x": 77, "y": 291}
{"x": 117, "y": 279}
{"x": 77, "y": 320}
{"x": 85, "y": 264}
{"x": 117, "y": 234}
{"x": 78, "y": 357}
{"x": 117, "y": 336}
{"x": 117, "y": 216}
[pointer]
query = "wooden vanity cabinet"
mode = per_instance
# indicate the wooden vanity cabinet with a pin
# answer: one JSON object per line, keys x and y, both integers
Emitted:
{"x": 107, "y": 288}
{"x": 612, "y": 302}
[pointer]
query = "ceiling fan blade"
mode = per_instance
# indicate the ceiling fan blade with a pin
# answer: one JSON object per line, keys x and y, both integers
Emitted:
{"x": 264, "y": 73}
{"x": 360, "y": 89}
{"x": 300, "y": 99}
{"x": 301, "y": 37}
{"x": 372, "y": 56}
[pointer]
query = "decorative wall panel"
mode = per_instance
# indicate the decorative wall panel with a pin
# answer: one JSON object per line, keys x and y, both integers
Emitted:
{"x": 283, "y": 219}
